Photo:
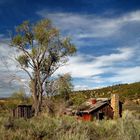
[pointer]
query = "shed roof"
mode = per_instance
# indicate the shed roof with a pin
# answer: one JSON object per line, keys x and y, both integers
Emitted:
{"x": 24, "y": 105}
{"x": 95, "y": 106}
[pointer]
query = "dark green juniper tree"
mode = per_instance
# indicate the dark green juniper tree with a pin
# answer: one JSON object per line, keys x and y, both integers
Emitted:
{"x": 42, "y": 52}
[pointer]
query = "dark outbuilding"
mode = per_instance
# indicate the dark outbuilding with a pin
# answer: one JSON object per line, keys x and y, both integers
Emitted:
{"x": 22, "y": 111}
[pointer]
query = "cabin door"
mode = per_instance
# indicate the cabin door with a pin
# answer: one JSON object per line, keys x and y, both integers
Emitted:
{"x": 101, "y": 115}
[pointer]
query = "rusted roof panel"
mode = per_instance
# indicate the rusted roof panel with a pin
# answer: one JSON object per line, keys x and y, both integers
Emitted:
{"x": 94, "y": 106}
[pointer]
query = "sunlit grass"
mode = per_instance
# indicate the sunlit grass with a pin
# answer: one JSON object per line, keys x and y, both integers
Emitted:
{"x": 69, "y": 128}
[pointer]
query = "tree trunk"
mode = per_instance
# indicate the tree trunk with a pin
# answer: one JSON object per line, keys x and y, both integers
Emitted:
{"x": 37, "y": 107}
{"x": 37, "y": 102}
{"x": 37, "y": 98}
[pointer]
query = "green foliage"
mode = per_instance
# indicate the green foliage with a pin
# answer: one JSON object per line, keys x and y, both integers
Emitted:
{"x": 66, "y": 43}
{"x": 17, "y": 40}
{"x": 64, "y": 86}
{"x": 34, "y": 52}
{"x": 23, "y": 60}
{"x": 78, "y": 99}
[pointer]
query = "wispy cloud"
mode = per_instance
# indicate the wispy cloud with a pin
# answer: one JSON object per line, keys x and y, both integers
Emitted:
{"x": 79, "y": 66}
{"x": 81, "y": 87}
{"x": 93, "y": 72}
{"x": 126, "y": 75}
{"x": 11, "y": 76}
{"x": 91, "y": 26}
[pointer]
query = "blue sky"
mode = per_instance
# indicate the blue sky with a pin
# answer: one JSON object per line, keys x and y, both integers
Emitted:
{"x": 106, "y": 33}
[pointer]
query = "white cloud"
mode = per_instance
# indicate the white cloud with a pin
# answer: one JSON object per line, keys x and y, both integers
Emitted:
{"x": 80, "y": 67}
{"x": 6, "y": 57}
{"x": 92, "y": 69}
{"x": 126, "y": 75}
{"x": 90, "y": 26}
{"x": 11, "y": 76}
{"x": 121, "y": 75}
{"x": 107, "y": 60}
{"x": 77, "y": 67}
{"x": 81, "y": 87}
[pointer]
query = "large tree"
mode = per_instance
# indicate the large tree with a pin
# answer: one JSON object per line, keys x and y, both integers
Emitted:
{"x": 42, "y": 52}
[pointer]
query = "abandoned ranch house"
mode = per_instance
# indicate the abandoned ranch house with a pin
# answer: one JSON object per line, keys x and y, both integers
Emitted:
{"x": 101, "y": 108}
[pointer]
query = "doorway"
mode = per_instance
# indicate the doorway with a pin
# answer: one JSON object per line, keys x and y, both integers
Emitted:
{"x": 101, "y": 115}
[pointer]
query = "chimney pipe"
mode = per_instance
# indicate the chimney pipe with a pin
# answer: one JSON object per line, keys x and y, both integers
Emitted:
{"x": 93, "y": 101}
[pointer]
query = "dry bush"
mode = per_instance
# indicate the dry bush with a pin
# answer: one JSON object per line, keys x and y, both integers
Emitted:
{"x": 68, "y": 128}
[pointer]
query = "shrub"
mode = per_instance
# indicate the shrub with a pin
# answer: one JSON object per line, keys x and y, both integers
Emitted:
{"x": 68, "y": 128}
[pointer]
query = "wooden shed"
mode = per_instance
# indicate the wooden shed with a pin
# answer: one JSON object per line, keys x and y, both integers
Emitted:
{"x": 22, "y": 111}
{"x": 100, "y": 109}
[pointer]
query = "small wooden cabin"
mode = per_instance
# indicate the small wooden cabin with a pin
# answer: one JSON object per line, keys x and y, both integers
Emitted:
{"x": 22, "y": 111}
{"x": 101, "y": 108}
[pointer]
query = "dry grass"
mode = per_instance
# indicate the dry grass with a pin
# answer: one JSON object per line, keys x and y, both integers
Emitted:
{"x": 68, "y": 128}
